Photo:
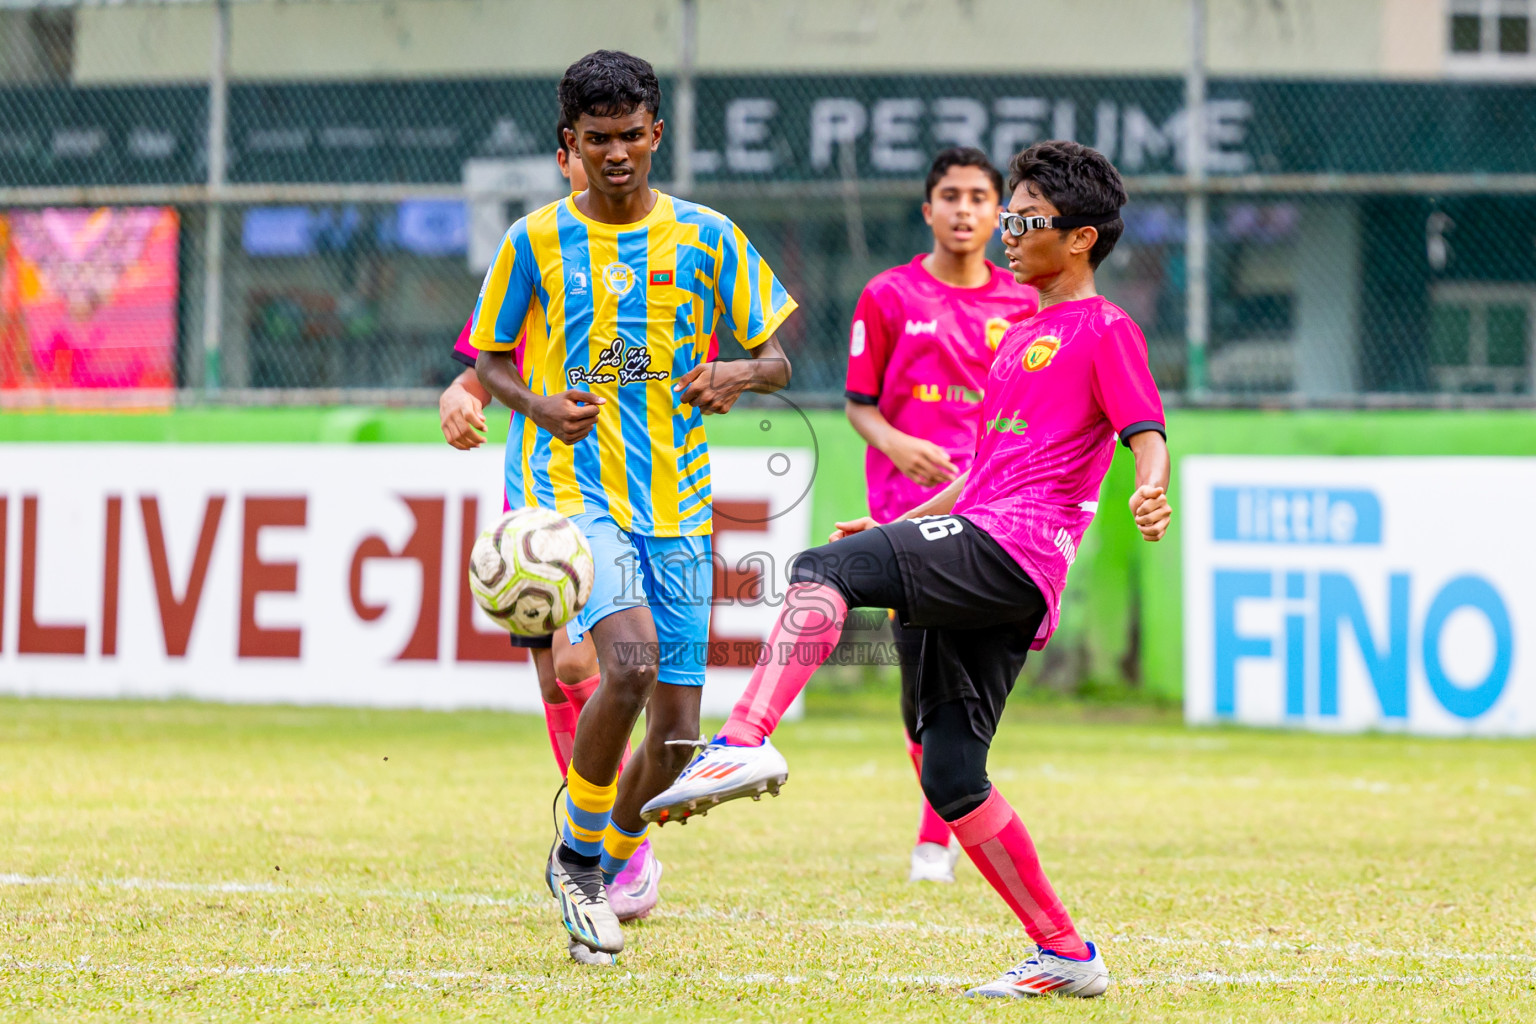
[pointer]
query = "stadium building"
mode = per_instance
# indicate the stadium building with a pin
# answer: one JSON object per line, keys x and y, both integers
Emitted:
{"x": 1370, "y": 180}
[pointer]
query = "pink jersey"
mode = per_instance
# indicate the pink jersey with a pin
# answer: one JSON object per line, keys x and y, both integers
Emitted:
{"x": 919, "y": 351}
{"x": 1064, "y": 386}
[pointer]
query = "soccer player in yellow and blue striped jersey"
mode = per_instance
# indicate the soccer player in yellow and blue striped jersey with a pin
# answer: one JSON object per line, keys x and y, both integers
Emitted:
{"x": 619, "y": 289}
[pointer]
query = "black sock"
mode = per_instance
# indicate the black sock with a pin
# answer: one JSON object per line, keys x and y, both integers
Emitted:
{"x": 574, "y": 859}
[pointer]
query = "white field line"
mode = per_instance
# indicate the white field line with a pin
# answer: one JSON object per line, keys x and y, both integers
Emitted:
{"x": 1353, "y": 949}
{"x": 584, "y": 981}
{"x": 268, "y": 889}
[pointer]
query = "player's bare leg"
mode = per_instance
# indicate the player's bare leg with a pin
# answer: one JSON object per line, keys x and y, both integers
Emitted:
{"x": 671, "y": 717}
{"x": 573, "y": 874}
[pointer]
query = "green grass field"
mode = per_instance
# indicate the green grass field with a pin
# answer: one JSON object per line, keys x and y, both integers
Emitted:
{"x": 177, "y": 861}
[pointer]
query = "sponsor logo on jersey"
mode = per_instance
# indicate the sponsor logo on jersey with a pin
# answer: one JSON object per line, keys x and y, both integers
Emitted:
{"x": 1014, "y": 424}
{"x": 856, "y": 340}
{"x": 927, "y": 393}
{"x": 618, "y": 277}
{"x": 1040, "y": 353}
{"x": 964, "y": 395}
{"x": 922, "y": 327}
{"x": 576, "y": 283}
{"x": 627, "y": 365}
{"x": 996, "y": 328}
{"x": 1063, "y": 543}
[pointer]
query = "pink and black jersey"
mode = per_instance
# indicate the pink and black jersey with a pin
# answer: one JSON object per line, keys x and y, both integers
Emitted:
{"x": 1064, "y": 386}
{"x": 919, "y": 351}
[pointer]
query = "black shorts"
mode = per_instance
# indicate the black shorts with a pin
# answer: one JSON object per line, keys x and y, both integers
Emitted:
{"x": 533, "y": 643}
{"x": 977, "y": 609}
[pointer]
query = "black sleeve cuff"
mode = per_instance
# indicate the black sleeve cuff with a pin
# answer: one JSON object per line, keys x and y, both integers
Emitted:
{"x": 861, "y": 398}
{"x": 462, "y": 358}
{"x": 1138, "y": 427}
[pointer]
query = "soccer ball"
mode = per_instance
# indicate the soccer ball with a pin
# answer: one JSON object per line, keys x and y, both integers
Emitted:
{"x": 531, "y": 571}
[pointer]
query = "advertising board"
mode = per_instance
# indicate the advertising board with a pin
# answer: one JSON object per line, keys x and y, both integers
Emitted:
{"x": 1360, "y": 593}
{"x": 315, "y": 573}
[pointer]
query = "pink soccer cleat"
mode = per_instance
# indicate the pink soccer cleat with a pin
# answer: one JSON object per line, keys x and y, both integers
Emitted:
{"x": 635, "y": 891}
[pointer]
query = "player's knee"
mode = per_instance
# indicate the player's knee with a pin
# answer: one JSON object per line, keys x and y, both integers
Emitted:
{"x": 631, "y": 685}
{"x": 575, "y": 664}
{"x": 953, "y": 790}
{"x": 818, "y": 565}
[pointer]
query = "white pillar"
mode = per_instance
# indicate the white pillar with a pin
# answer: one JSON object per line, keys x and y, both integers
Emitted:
{"x": 1327, "y": 298}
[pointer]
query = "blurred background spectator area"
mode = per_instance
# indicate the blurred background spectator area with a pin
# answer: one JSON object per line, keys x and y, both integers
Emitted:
{"x": 261, "y": 201}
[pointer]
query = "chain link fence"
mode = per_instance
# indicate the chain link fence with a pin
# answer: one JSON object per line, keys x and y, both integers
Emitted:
{"x": 263, "y": 239}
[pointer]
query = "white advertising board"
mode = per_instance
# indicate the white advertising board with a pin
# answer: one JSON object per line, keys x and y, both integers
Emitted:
{"x": 311, "y": 573}
{"x": 1354, "y": 594}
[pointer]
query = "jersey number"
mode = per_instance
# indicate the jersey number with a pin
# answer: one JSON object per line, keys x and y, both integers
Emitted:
{"x": 937, "y": 528}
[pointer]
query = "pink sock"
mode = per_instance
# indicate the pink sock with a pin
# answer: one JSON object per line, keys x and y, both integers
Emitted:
{"x": 803, "y": 638}
{"x": 930, "y": 827}
{"x": 578, "y": 694}
{"x": 995, "y": 840}
{"x": 560, "y": 719}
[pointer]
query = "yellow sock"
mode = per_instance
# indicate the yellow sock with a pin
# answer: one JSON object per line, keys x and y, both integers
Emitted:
{"x": 587, "y": 810}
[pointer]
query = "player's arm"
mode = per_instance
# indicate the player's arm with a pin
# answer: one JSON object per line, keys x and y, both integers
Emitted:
{"x": 568, "y": 416}
{"x": 920, "y": 460}
{"x": 715, "y": 386}
{"x": 870, "y": 343}
{"x": 461, "y": 410}
{"x": 1149, "y": 504}
{"x": 937, "y": 505}
{"x": 1124, "y": 389}
{"x": 752, "y": 306}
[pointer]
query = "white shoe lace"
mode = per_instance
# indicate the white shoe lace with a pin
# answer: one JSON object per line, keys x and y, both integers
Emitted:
{"x": 700, "y": 744}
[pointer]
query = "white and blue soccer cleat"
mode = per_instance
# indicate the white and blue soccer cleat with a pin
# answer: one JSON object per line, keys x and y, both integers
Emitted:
{"x": 584, "y": 904}
{"x": 1048, "y": 973}
{"x": 719, "y": 772}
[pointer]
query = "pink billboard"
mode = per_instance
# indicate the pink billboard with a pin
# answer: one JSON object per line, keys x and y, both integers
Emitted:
{"x": 88, "y": 306}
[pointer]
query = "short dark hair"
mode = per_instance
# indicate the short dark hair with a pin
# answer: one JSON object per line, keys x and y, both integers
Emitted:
{"x": 1079, "y": 182}
{"x": 608, "y": 83}
{"x": 960, "y": 156}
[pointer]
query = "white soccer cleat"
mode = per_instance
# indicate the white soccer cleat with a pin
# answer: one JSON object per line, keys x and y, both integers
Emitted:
{"x": 719, "y": 773}
{"x": 1048, "y": 973}
{"x": 587, "y": 958}
{"x": 584, "y": 904}
{"x": 934, "y": 862}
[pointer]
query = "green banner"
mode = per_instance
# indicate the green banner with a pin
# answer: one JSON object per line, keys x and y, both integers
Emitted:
{"x": 768, "y": 127}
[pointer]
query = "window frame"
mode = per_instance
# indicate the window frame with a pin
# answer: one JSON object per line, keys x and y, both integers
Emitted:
{"x": 1488, "y": 60}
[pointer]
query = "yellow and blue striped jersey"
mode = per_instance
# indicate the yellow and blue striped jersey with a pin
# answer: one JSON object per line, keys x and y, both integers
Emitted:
{"x": 622, "y": 311}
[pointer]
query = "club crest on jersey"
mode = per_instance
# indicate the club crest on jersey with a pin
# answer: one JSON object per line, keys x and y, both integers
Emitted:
{"x": 996, "y": 328}
{"x": 629, "y": 365}
{"x": 618, "y": 277}
{"x": 1040, "y": 353}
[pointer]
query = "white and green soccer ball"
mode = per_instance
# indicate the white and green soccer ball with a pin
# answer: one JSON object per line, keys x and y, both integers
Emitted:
{"x": 531, "y": 571}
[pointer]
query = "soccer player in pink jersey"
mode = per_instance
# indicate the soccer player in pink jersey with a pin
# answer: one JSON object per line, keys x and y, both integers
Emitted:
{"x": 567, "y": 672}
{"x": 923, "y": 337}
{"x": 980, "y": 567}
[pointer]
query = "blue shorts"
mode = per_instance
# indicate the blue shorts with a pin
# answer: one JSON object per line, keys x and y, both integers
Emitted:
{"x": 673, "y": 576}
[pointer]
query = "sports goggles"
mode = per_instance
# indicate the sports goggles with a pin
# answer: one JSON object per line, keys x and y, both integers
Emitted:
{"x": 1016, "y": 224}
